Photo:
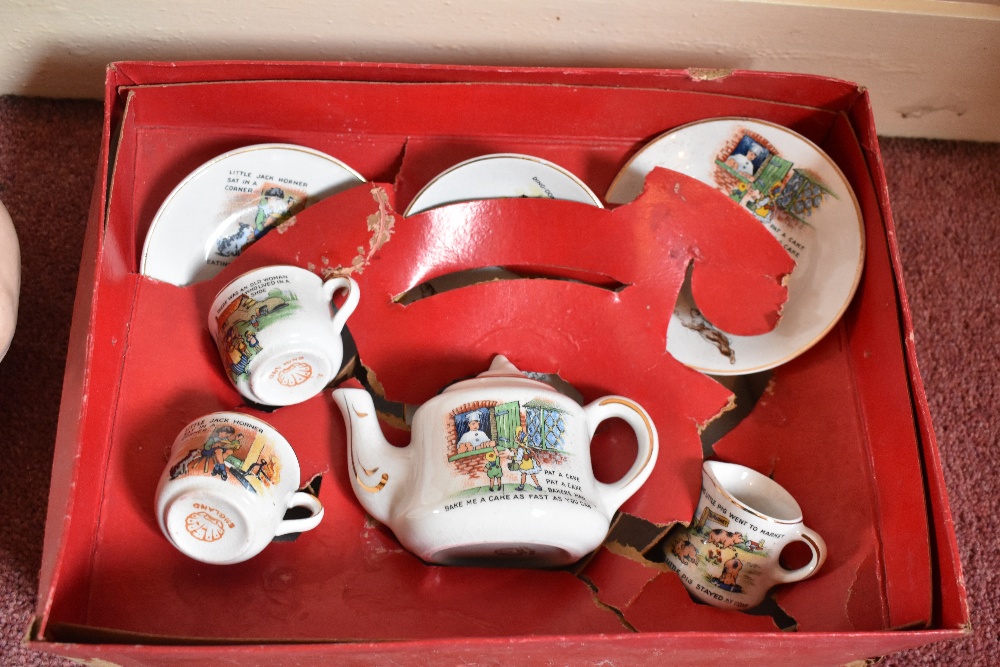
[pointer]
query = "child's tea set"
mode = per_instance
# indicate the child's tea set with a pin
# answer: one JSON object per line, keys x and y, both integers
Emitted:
{"x": 498, "y": 471}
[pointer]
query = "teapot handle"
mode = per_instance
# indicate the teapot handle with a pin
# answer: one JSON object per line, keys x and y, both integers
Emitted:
{"x": 615, "y": 494}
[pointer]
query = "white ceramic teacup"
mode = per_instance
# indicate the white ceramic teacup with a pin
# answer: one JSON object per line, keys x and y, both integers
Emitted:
{"x": 730, "y": 554}
{"x": 278, "y": 334}
{"x": 228, "y": 483}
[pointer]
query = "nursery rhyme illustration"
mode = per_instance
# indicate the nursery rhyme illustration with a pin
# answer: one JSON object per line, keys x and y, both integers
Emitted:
{"x": 261, "y": 304}
{"x": 231, "y": 451}
{"x": 510, "y": 451}
{"x": 255, "y": 204}
{"x": 724, "y": 559}
{"x": 773, "y": 188}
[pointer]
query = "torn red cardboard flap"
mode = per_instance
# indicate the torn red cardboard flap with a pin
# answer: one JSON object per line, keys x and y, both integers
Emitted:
{"x": 628, "y": 245}
{"x": 664, "y": 605}
{"x": 651, "y": 598}
{"x": 555, "y": 326}
{"x": 807, "y": 453}
{"x": 618, "y": 575}
{"x": 549, "y": 323}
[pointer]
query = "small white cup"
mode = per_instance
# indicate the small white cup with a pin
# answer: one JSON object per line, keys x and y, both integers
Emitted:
{"x": 730, "y": 554}
{"x": 278, "y": 334}
{"x": 228, "y": 483}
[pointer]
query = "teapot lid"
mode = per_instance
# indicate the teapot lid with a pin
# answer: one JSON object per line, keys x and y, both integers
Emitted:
{"x": 501, "y": 369}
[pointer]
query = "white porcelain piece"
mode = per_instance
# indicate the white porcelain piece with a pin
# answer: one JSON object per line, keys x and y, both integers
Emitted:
{"x": 729, "y": 555}
{"x": 10, "y": 280}
{"x": 232, "y": 200}
{"x": 229, "y": 480}
{"x": 804, "y": 200}
{"x": 498, "y": 176}
{"x": 498, "y": 471}
{"x": 278, "y": 333}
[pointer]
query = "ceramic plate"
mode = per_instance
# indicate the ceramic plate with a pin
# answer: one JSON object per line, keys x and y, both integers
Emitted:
{"x": 231, "y": 201}
{"x": 499, "y": 176}
{"x": 797, "y": 191}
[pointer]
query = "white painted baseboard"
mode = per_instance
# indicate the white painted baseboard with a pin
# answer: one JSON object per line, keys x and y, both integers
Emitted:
{"x": 932, "y": 66}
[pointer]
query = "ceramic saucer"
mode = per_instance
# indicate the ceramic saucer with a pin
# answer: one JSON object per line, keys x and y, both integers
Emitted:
{"x": 229, "y": 202}
{"x": 803, "y": 199}
{"x": 501, "y": 175}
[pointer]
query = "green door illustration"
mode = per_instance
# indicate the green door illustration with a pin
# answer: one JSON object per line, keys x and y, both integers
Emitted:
{"x": 508, "y": 419}
{"x": 772, "y": 173}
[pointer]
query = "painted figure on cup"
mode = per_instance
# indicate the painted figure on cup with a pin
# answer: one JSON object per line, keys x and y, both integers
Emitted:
{"x": 226, "y": 454}
{"x": 242, "y": 321}
{"x": 686, "y": 551}
{"x": 723, "y": 538}
{"x": 223, "y": 442}
{"x": 730, "y": 573}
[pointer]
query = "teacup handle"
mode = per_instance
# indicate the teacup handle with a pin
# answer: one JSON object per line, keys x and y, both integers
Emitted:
{"x": 331, "y": 287}
{"x": 818, "y": 548}
{"x": 301, "y": 499}
{"x": 615, "y": 494}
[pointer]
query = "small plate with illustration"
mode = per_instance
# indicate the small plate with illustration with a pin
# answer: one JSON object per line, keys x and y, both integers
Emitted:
{"x": 226, "y": 204}
{"x": 793, "y": 188}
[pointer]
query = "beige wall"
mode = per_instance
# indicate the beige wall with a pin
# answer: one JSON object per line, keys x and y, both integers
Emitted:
{"x": 932, "y": 66}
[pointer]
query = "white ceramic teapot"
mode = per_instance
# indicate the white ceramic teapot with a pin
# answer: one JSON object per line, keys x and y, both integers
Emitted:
{"x": 498, "y": 471}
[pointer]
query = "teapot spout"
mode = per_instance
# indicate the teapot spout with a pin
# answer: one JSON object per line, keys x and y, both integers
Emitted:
{"x": 376, "y": 467}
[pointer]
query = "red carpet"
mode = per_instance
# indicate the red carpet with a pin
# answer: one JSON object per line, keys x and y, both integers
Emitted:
{"x": 944, "y": 197}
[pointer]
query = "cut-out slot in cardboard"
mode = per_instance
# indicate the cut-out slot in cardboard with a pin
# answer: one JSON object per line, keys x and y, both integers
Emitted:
{"x": 558, "y": 326}
{"x": 468, "y": 277}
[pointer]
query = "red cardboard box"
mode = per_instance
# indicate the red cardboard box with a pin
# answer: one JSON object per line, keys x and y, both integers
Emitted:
{"x": 845, "y": 427}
